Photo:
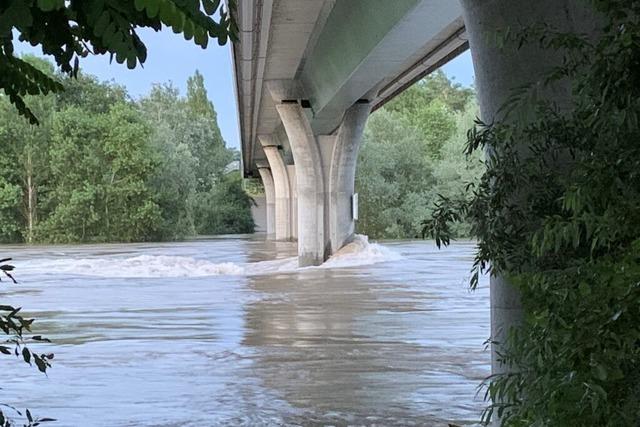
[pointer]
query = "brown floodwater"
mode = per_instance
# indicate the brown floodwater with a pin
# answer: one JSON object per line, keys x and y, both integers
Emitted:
{"x": 228, "y": 332}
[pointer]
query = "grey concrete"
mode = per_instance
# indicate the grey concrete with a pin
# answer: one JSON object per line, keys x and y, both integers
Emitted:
{"x": 274, "y": 36}
{"x": 312, "y": 248}
{"x": 370, "y": 43}
{"x": 283, "y": 228}
{"x": 326, "y": 144}
{"x": 343, "y": 174}
{"x": 336, "y": 51}
{"x": 325, "y": 168}
{"x": 498, "y": 72}
{"x": 259, "y": 214}
{"x": 270, "y": 198}
{"x": 326, "y": 55}
{"x": 291, "y": 172}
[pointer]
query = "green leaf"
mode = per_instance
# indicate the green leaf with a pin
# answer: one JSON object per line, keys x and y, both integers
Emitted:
{"x": 210, "y": 6}
{"x": 26, "y": 355}
{"x": 40, "y": 363}
{"x": 600, "y": 372}
{"x": 140, "y": 5}
{"x": 584, "y": 289}
{"x": 101, "y": 25}
{"x": 131, "y": 62}
{"x": 188, "y": 29}
{"x": 153, "y": 7}
{"x": 50, "y": 5}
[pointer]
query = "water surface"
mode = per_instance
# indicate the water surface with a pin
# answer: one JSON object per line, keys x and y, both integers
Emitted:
{"x": 228, "y": 332}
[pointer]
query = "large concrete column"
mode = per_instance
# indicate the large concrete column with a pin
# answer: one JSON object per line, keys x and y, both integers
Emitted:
{"x": 325, "y": 172}
{"x": 281, "y": 185}
{"x": 500, "y": 70}
{"x": 326, "y": 145}
{"x": 270, "y": 196}
{"x": 291, "y": 171}
{"x": 343, "y": 174}
{"x": 312, "y": 245}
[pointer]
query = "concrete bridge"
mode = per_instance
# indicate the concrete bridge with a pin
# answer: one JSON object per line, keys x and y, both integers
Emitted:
{"x": 309, "y": 72}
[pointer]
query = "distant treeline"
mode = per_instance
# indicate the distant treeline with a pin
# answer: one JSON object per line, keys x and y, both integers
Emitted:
{"x": 413, "y": 151}
{"x": 102, "y": 167}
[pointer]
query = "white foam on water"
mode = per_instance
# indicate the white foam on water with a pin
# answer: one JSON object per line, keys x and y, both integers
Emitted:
{"x": 142, "y": 266}
{"x": 357, "y": 253}
{"x": 361, "y": 252}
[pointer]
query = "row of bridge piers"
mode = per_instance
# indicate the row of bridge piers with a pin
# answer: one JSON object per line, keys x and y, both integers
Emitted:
{"x": 311, "y": 200}
{"x": 315, "y": 189}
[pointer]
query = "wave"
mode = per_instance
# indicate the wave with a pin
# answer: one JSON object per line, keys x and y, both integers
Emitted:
{"x": 360, "y": 252}
{"x": 141, "y": 266}
{"x": 357, "y": 253}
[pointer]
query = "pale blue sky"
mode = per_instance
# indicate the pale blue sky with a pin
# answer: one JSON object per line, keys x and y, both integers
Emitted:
{"x": 171, "y": 58}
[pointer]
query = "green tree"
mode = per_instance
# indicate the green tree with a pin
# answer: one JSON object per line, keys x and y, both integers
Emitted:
{"x": 194, "y": 193}
{"x": 454, "y": 171}
{"x": 89, "y": 94}
{"x": 69, "y": 30}
{"x": 394, "y": 169}
{"x": 103, "y": 168}
{"x": 556, "y": 214}
{"x": 413, "y": 151}
{"x": 435, "y": 86}
{"x": 429, "y": 104}
{"x": 226, "y": 208}
{"x": 10, "y": 196}
{"x": 204, "y": 136}
{"x": 197, "y": 99}
{"x": 101, "y": 165}
{"x": 175, "y": 180}
{"x": 26, "y": 159}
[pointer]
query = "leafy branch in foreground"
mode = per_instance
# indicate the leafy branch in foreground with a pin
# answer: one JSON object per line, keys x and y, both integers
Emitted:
{"x": 14, "y": 326}
{"x": 69, "y": 30}
{"x": 557, "y": 214}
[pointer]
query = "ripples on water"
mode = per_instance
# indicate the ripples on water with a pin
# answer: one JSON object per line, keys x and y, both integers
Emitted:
{"x": 228, "y": 331}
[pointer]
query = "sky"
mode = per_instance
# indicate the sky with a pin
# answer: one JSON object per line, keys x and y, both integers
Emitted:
{"x": 173, "y": 59}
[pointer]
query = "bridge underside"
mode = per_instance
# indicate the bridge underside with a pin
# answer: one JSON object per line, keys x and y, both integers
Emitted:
{"x": 308, "y": 73}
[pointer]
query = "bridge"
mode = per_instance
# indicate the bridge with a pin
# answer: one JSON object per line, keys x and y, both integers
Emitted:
{"x": 308, "y": 73}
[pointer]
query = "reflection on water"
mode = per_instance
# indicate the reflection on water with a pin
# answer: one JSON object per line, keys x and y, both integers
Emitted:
{"x": 398, "y": 342}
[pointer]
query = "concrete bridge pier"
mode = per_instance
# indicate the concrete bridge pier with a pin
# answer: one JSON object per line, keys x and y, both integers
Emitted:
{"x": 270, "y": 197}
{"x": 500, "y": 70}
{"x": 325, "y": 173}
{"x": 343, "y": 174}
{"x": 282, "y": 189}
{"x": 312, "y": 244}
{"x": 291, "y": 171}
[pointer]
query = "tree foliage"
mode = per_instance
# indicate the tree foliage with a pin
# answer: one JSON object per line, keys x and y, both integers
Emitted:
{"x": 556, "y": 213}
{"x": 69, "y": 30}
{"x": 16, "y": 343}
{"x": 428, "y": 106}
{"x": 101, "y": 167}
{"x": 412, "y": 151}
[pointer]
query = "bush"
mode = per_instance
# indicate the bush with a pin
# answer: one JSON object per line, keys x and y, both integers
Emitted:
{"x": 557, "y": 213}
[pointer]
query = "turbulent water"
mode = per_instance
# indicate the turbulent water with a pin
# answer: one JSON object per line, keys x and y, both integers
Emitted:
{"x": 228, "y": 331}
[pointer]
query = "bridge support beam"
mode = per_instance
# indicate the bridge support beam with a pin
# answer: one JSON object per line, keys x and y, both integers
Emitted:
{"x": 498, "y": 72}
{"x": 270, "y": 197}
{"x": 312, "y": 245}
{"x": 343, "y": 174}
{"x": 281, "y": 187}
{"x": 291, "y": 171}
{"x": 325, "y": 174}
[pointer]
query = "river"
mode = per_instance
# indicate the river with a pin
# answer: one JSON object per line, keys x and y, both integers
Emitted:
{"x": 228, "y": 332}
